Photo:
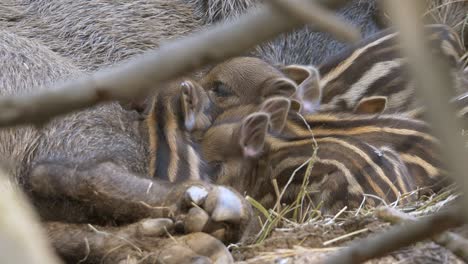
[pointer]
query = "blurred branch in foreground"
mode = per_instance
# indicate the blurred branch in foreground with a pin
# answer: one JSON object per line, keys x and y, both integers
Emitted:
{"x": 139, "y": 76}
{"x": 453, "y": 242}
{"x": 21, "y": 237}
{"x": 397, "y": 237}
{"x": 434, "y": 85}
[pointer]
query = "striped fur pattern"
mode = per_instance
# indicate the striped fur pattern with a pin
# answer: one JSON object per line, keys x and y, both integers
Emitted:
{"x": 392, "y": 147}
{"x": 179, "y": 115}
{"x": 375, "y": 67}
{"x": 384, "y": 156}
{"x": 410, "y": 138}
{"x": 181, "y": 112}
{"x": 175, "y": 112}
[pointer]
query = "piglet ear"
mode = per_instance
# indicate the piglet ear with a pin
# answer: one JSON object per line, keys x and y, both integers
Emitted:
{"x": 371, "y": 105}
{"x": 253, "y": 134}
{"x": 297, "y": 73}
{"x": 310, "y": 91}
{"x": 191, "y": 103}
{"x": 278, "y": 86}
{"x": 278, "y": 109}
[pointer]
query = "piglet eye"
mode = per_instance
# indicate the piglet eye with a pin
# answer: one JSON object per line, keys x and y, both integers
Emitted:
{"x": 221, "y": 89}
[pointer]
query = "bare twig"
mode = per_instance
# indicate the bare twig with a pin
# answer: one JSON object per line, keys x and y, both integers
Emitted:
{"x": 139, "y": 76}
{"x": 22, "y": 240}
{"x": 397, "y": 237}
{"x": 348, "y": 235}
{"x": 320, "y": 18}
{"x": 434, "y": 86}
{"x": 453, "y": 242}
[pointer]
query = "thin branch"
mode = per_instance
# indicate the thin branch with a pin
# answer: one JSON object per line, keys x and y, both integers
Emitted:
{"x": 434, "y": 87}
{"x": 319, "y": 18}
{"x": 345, "y": 236}
{"x": 397, "y": 237}
{"x": 22, "y": 239}
{"x": 139, "y": 76}
{"x": 453, "y": 242}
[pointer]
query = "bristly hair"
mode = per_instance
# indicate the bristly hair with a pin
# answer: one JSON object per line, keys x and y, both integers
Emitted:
{"x": 211, "y": 11}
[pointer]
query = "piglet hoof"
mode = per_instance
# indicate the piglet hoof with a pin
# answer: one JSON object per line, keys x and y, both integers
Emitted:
{"x": 180, "y": 254}
{"x": 219, "y": 211}
{"x": 196, "y": 195}
{"x": 196, "y": 248}
{"x": 196, "y": 220}
{"x": 142, "y": 243}
{"x": 155, "y": 227}
{"x": 225, "y": 206}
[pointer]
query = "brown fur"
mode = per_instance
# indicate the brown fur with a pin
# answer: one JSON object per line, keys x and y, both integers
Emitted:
{"x": 170, "y": 138}
{"x": 244, "y": 80}
{"x": 138, "y": 242}
{"x": 92, "y": 166}
{"x": 386, "y": 156}
{"x": 374, "y": 67}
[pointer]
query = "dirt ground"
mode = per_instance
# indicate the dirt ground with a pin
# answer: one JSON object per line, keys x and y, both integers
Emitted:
{"x": 305, "y": 244}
